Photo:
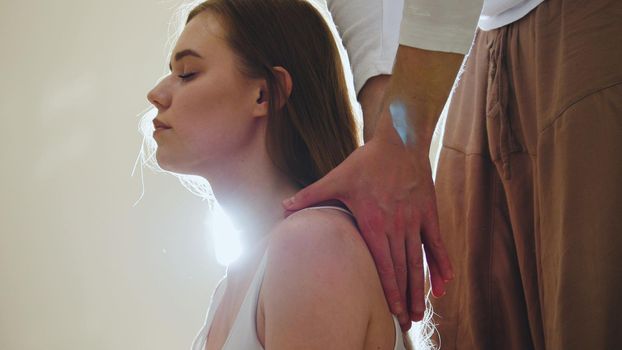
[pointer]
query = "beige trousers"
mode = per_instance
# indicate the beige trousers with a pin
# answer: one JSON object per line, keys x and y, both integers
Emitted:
{"x": 529, "y": 184}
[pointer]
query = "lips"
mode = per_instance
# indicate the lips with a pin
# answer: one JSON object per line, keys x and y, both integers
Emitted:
{"x": 160, "y": 125}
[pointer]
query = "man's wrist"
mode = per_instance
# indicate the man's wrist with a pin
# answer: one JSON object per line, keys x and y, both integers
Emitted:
{"x": 386, "y": 133}
{"x": 371, "y": 97}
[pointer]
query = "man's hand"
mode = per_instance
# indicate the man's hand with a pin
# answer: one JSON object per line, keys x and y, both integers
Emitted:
{"x": 388, "y": 183}
{"x": 390, "y": 192}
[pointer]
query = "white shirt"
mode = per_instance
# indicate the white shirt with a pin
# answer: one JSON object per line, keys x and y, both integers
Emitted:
{"x": 370, "y": 29}
{"x": 370, "y": 32}
{"x": 449, "y": 25}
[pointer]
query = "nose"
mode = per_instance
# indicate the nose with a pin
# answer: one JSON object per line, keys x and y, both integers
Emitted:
{"x": 159, "y": 97}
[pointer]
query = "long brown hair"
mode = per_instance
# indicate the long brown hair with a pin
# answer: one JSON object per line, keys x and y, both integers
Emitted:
{"x": 315, "y": 130}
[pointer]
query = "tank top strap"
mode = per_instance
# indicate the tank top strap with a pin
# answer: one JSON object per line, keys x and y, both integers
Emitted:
{"x": 344, "y": 210}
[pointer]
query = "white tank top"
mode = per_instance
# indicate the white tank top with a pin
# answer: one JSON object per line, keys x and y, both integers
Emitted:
{"x": 243, "y": 334}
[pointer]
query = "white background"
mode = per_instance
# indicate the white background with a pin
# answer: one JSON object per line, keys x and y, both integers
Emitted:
{"x": 80, "y": 267}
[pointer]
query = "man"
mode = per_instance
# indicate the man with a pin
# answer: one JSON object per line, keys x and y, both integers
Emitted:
{"x": 528, "y": 186}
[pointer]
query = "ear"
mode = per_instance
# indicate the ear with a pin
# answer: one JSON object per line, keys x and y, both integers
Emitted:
{"x": 262, "y": 103}
{"x": 284, "y": 79}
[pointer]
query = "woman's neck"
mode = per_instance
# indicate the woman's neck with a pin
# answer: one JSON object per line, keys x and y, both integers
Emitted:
{"x": 255, "y": 208}
{"x": 251, "y": 191}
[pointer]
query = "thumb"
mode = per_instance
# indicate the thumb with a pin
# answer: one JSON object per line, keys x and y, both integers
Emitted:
{"x": 323, "y": 189}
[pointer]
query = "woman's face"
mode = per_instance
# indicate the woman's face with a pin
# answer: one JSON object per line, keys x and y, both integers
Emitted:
{"x": 207, "y": 109}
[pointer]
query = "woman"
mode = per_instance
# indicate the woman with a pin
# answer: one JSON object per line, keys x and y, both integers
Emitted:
{"x": 257, "y": 104}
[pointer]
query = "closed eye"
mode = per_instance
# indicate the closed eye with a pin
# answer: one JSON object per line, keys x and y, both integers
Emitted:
{"x": 187, "y": 76}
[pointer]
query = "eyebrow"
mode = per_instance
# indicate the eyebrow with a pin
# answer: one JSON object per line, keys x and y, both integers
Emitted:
{"x": 182, "y": 54}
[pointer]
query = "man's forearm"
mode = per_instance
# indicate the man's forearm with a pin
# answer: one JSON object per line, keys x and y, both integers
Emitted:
{"x": 370, "y": 97}
{"x": 417, "y": 90}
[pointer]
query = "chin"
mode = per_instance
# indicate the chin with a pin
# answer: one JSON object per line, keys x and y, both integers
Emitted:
{"x": 162, "y": 161}
{"x": 171, "y": 164}
{"x": 179, "y": 166}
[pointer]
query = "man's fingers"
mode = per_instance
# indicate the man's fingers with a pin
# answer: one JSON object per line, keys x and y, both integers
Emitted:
{"x": 324, "y": 189}
{"x": 436, "y": 281}
{"x": 398, "y": 255}
{"x": 397, "y": 241}
{"x": 380, "y": 250}
{"x": 435, "y": 248}
{"x": 416, "y": 276}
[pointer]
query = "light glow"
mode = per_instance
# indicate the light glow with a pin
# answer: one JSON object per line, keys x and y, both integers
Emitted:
{"x": 225, "y": 238}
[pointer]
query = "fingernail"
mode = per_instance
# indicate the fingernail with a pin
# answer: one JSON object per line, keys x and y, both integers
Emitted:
{"x": 416, "y": 316}
{"x": 398, "y": 308}
{"x": 289, "y": 201}
{"x": 418, "y": 313}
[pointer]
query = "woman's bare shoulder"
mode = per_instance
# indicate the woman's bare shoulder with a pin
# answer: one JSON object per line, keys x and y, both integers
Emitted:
{"x": 326, "y": 235}
{"x": 317, "y": 281}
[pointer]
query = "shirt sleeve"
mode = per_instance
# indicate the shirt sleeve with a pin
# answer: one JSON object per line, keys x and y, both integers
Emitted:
{"x": 440, "y": 25}
{"x": 370, "y": 32}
